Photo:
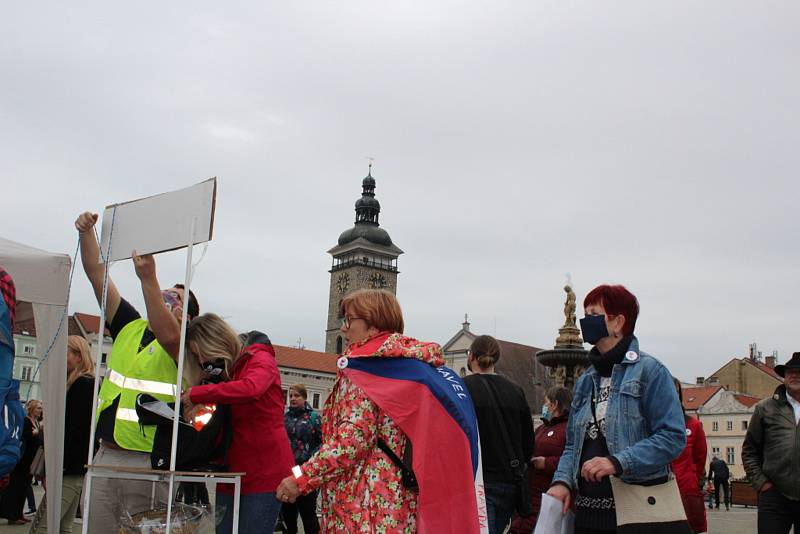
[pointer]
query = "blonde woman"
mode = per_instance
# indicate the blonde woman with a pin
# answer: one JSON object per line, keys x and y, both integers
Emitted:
{"x": 244, "y": 375}
{"x": 77, "y": 420}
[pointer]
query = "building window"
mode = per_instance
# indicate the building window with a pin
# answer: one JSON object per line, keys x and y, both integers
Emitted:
{"x": 729, "y": 427}
{"x": 315, "y": 401}
{"x": 715, "y": 451}
{"x": 744, "y": 425}
{"x": 28, "y": 350}
{"x": 285, "y": 396}
{"x": 338, "y": 344}
{"x": 27, "y": 371}
{"x": 715, "y": 426}
{"x": 731, "y": 454}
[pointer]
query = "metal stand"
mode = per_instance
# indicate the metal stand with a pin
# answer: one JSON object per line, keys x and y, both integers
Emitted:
{"x": 132, "y": 473}
{"x": 170, "y": 476}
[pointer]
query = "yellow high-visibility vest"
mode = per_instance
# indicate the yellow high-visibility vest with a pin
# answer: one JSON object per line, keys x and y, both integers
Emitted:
{"x": 132, "y": 371}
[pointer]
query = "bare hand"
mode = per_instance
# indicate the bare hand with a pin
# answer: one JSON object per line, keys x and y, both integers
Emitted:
{"x": 766, "y": 486}
{"x": 288, "y": 490}
{"x": 188, "y": 405}
{"x": 538, "y": 463}
{"x": 597, "y": 469}
{"x": 145, "y": 266}
{"x": 563, "y": 494}
{"x": 85, "y": 221}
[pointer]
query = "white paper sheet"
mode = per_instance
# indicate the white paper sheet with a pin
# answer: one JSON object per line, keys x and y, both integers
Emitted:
{"x": 161, "y": 222}
{"x": 551, "y": 520}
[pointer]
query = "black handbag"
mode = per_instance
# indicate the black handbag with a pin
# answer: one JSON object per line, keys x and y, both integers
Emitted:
{"x": 522, "y": 504}
{"x": 197, "y": 449}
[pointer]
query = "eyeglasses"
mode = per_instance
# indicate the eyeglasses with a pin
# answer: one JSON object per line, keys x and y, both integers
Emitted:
{"x": 172, "y": 299}
{"x": 346, "y": 320}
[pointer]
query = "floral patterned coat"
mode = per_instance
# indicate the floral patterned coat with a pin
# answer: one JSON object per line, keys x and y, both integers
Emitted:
{"x": 361, "y": 488}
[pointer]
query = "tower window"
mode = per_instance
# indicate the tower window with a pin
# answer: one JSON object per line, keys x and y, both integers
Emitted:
{"x": 338, "y": 344}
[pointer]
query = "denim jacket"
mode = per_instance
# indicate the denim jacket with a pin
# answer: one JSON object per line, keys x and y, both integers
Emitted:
{"x": 645, "y": 428}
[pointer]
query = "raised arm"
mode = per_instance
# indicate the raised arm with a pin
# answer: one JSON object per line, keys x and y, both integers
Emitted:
{"x": 90, "y": 258}
{"x": 161, "y": 320}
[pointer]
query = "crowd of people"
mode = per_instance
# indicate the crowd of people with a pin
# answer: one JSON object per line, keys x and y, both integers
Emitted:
{"x": 403, "y": 444}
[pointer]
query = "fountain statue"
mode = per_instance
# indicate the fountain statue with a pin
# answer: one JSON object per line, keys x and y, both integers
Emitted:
{"x": 568, "y": 359}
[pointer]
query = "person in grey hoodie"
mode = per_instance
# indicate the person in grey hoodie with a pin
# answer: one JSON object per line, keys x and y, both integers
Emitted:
{"x": 770, "y": 454}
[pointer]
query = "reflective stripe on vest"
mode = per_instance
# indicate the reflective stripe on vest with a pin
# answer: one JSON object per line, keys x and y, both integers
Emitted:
{"x": 133, "y": 369}
{"x": 140, "y": 385}
{"x": 126, "y": 414}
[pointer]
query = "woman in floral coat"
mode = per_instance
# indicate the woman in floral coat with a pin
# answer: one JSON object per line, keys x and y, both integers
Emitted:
{"x": 305, "y": 436}
{"x": 362, "y": 488}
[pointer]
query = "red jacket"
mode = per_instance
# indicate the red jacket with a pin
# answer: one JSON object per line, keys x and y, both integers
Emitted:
{"x": 260, "y": 446}
{"x": 689, "y": 467}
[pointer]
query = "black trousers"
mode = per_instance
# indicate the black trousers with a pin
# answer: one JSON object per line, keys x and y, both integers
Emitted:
{"x": 776, "y": 513}
{"x": 307, "y": 506}
{"x": 724, "y": 485}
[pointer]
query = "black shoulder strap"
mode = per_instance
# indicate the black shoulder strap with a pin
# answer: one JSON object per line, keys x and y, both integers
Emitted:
{"x": 405, "y": 465}
{"x": 512, "y": 456}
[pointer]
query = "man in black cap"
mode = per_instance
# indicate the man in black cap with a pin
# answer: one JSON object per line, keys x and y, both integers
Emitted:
{"x": 770, "y": 453}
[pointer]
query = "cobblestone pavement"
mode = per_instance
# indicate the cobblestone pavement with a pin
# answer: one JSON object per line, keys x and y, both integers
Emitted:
{"x": 739, "y": 520}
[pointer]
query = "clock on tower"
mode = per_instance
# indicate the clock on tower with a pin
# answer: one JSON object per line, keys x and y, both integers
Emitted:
{"x": 364, "y": 257}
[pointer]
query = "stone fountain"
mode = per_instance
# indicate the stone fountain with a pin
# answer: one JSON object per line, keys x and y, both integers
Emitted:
{"x": 568, "y": 359}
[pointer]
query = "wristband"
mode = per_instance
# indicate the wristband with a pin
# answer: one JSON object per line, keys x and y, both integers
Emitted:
{"x": 299, "y": 477}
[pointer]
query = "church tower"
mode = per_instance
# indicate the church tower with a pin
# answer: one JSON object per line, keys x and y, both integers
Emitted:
{"x": 365, "y": 257}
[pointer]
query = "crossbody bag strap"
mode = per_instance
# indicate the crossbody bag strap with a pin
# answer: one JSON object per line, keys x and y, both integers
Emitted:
{"x": 514, "y": 462}
{"x": 405, "y": 464}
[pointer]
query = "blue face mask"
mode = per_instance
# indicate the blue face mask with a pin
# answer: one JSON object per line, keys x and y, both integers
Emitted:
{"x": 593, "y": 328}
{"x": 545, "y": 413}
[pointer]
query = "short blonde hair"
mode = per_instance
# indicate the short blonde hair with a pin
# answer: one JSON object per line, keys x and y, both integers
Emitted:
{"x": 300, "y": 389}
{"x": 378, "y": 307}
{"x": 212, "y": 337}
{"x": 78, "y": 345}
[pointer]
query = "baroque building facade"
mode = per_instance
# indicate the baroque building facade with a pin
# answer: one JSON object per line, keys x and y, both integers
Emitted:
{"x": 364, "y": 257}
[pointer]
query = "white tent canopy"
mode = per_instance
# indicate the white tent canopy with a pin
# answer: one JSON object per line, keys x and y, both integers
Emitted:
{"x": 42, "y": 278}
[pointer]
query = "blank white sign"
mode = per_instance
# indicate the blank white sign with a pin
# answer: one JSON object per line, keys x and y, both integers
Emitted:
{"x": 159, "y": 223}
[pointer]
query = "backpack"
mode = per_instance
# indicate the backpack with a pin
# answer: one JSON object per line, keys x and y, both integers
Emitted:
{"x": 12, "y": 415}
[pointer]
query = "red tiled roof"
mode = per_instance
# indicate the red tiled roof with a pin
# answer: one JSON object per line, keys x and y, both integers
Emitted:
{"x": 90, "y": 323}
{"x": 695, "y": 397}
{"x": 747, "y": 400}
{"x": 305, "y": 359}
{"x": 766, "y": 368}
{"x": 26, "y": 325}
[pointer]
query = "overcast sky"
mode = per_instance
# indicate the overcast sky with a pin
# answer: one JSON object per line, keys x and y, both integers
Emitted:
{"x": 643, "y": 143}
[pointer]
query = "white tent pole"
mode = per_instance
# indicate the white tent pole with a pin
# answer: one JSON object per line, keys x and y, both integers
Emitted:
{"x": 87, "y": 491}
{"x": 181, "y": 358}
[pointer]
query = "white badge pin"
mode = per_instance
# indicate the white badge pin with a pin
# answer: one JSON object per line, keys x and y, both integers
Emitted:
{"x": 151, "y": 349}
{"x": 549, "y": 434}
{"x": 631, "y": 356}
{"x": 688, "y": 431}
{"x": 341, "y": 363}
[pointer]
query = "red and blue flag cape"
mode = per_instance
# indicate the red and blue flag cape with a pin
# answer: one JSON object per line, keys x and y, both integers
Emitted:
{"x": 433, "y": 408}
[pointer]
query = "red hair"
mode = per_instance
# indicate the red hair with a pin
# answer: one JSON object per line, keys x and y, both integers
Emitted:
{"x": 616, "y": 300}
